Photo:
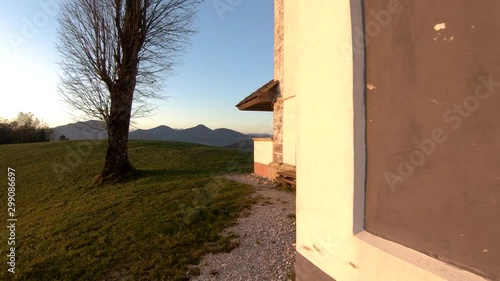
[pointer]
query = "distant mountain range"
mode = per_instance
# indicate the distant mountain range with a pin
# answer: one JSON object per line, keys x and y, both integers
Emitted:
{"x": 88, "y": 130}
{"x": 200, "y": 134}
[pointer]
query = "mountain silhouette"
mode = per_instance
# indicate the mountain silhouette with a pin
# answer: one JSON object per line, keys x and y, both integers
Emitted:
{"x": 93, "y": 130}
{"x": 200, "y": 134}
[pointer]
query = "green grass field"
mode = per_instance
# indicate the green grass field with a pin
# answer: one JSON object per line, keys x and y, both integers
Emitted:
{"x": 148, "y": 228}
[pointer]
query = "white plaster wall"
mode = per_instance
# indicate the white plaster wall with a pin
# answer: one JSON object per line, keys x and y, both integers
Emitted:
{"x": 317, "y": 38}
{"x": 263, "y": 150}
{"x": 289, "y": 130}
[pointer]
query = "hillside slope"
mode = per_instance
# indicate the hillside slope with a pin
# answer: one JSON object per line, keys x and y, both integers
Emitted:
{"x": 150, "y": 227}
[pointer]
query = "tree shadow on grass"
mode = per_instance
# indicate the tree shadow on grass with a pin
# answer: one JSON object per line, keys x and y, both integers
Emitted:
{"x": 167, "y": 173}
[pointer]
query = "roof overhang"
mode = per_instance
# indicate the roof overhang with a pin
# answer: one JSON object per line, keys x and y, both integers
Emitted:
{"x": 260, "y": 100}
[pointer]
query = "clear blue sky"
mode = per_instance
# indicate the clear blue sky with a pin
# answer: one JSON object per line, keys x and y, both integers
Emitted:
{"x": 230, "y": 57}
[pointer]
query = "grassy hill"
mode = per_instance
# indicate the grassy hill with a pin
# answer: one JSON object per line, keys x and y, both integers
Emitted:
{"x": 149, "y": 228}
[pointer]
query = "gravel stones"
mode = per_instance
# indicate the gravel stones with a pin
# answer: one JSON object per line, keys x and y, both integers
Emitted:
{"x": 266, "y": 238}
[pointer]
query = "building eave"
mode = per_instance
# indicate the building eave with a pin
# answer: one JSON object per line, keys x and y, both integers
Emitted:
{"x": 260, "y": 100}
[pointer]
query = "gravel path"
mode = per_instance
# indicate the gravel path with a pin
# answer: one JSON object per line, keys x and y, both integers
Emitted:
{"x": 266, "y": 237}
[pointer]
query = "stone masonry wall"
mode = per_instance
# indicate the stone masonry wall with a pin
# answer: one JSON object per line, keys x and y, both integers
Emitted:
{"x": 278, "y": 76}
{"x": 278, "y": 130}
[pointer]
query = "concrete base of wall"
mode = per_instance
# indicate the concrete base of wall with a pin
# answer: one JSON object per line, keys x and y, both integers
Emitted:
{"x": 274, "y": 167}
{"x": 273, "y": 170}
{"x": 261, "y": 169}
{"x": 306, "y": 270}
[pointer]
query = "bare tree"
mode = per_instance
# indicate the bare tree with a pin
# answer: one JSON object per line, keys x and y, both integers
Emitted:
{"x": 114, "y": 53}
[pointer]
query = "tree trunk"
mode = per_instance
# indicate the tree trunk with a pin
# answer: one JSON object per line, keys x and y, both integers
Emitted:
{"x": 117, "y": 164}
